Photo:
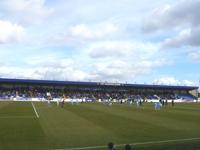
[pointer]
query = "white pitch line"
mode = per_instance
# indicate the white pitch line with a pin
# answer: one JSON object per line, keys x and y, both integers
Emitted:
{"x": 35, "y": 110}
{"x": 139, "y": 143}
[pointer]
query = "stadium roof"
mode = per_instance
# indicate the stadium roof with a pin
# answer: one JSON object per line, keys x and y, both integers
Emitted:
{"x": 78, "y": 83}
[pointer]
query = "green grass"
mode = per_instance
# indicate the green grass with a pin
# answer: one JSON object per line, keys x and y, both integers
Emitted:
{"x": 95, "y": 124}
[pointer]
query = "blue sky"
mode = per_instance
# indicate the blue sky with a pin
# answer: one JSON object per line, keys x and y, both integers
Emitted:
{"x": 135, "y": 41}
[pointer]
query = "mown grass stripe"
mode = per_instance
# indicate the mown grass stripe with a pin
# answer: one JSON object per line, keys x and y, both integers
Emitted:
{"x": 13, "y": 117}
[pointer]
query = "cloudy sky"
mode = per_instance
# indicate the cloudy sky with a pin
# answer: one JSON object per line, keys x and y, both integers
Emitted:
{"x": 134, "y": 41}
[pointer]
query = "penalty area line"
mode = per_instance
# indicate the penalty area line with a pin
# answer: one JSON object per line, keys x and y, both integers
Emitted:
{"x": 138, "y": 143}
{"x": 36, "y": 113}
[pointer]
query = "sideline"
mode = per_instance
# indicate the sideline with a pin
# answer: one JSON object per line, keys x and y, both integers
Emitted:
{"x": 139, "y": 143}
{"x": 36, "y": 113}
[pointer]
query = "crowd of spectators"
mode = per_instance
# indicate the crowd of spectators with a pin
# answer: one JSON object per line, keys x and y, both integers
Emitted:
{"x": 83, "y": 94}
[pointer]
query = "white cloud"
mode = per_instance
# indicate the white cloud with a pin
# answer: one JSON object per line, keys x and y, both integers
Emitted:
{"x": 109, "y": 49}
{"x": 54, "y": 69}
{"x": 189, "y": 83}
{"x": 25, "y": 11}
{"x": 61, "y": 69}
{"x": 17, "y": 72}
{"x": 156, "y": 20}
{"x": 123, "y": 60}
{"x": 186, "y": 37}
{"x": 168, "y": 80}
{"x": 179, "y": 40}
{"x": 51, "y": 62}
{"x": 195, "y": 55}
{"x": 99, "y": 31}
{"x": 183, "y": 13}
{"x": 121, "y": 70}
{"x": 105, "y": 43}
{"x": 10, "y": 32}
{"x": 180, "y": 26}
{"x": 122, "y": 49}
{"x": 86, "y": 33}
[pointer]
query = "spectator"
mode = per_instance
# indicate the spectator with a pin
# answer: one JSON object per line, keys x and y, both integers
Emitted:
{"x": 172, "y": 103}
{"x": 111, "y": 146}
{"x": 128, "y": 147}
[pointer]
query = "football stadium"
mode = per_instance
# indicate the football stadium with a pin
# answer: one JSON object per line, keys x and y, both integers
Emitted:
{"x": 69, "y": 115}
{"x": 99, "y": 75}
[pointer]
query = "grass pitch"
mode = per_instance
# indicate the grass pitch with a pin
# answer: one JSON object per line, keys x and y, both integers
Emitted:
{"x": 93, "y": 125}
